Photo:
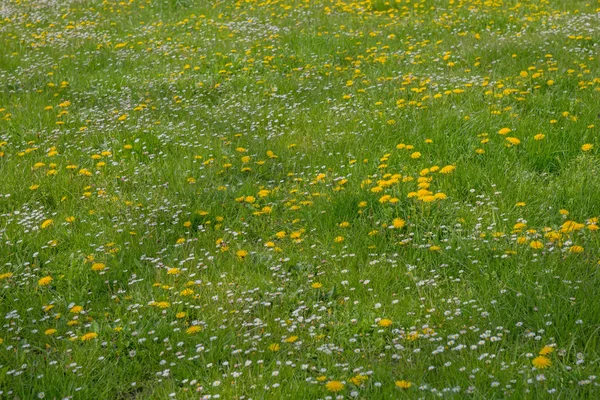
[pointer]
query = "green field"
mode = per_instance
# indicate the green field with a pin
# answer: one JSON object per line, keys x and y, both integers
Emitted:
{"x": 304, "y": 199}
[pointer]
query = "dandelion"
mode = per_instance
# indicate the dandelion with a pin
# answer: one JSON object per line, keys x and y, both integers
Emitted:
{"x": 448, "y": 169}
{"x": 541, "y": 362}
{"x": 46, "y": 223}
{"x": 88, "y": 336}
{"x": 576, "y": 249}
{"x": 403, "y": 384}
{"x": 274, "y": 347}
{"x": 49, "y": 332}
{"x": 98, "y": 267}
{"x": 334, "y": 386}
{"x": 241, "y": 254}
{"x": 384, "y": 322}
{"x": 316, "y": 285}
{"x": 536, "y": 245}
{"x": 587, "y": 147}
{"x": 45, "y": 281}
{"x": 193, "y": 329}
{"x": 504, "y": 131}
{"x": 398, "y": 223}
{"x": 359, "y": 379}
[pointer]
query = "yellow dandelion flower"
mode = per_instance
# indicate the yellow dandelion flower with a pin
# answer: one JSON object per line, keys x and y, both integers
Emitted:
{"x": 46, "y": 280}
{"x": 193, "y": 329}
{"x": 403, "y": 384}
{"x": 385, "y": 322}
{"x": 536, "y": 244}
{"x": 398, "y": 223}
{"x": 334, "y": 386}
{"x": 541, "y": 362}
{"x": 46, "y": 223}
{"x": 274, "y": 347}
{"x": 89, "y": 336}
{"x": 98, "y": 267}
{"x": 76, "y": 309}
{"x": 576, "y": 249}
{"x": 163, "y": 304}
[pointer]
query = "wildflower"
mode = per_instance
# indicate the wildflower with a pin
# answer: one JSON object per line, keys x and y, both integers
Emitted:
{"x": 50, "y": 331}
{"x": 45, "y": 281}
{"x": 539, "y": 136}
{"x": 241, "y": 254}
{"x": 541, "y": 362}
{"x": 98, "y": 267}
{"x": 359, "y": 379}
{"x": 587, "y": 147}
{"x": 576, "y": 249}
{"x": 536, "y": 244}
{"x": 46, "y": 223}
{"x": 274, "y": 347}
{"x": 89, "y": 336}
{"x": 513, "y": 141}
{"x": 448, "y": 169}
{"x": 398, "y": 223}
{"x": 504, "y": 131}
{"x": 338, "y": 239}
{"x": 316, "y": 285}
{"x": 291, "y": 339}
{"x": 193, "y": 329}
{"x": 163, "y": 304}
{"x": 334, "y": 386}
{"x": 415, "y": 155}
{"x": 403, "y": 384}
{"x": 384, "y": 322}
{"x": 546, "y": 350}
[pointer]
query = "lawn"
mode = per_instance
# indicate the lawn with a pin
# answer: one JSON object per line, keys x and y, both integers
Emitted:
{"x": 303, "y": 199}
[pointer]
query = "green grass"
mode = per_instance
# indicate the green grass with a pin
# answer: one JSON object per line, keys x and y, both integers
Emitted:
{"x": 239, "y": 167}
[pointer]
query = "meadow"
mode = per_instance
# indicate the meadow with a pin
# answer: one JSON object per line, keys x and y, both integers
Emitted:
{"x": 302, "y": 199}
